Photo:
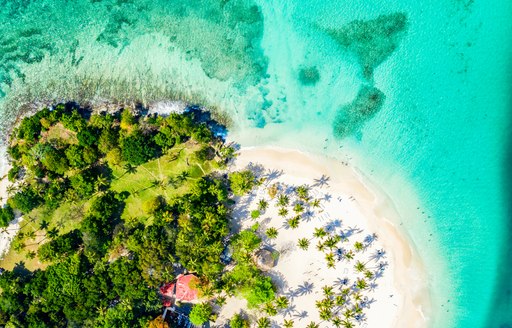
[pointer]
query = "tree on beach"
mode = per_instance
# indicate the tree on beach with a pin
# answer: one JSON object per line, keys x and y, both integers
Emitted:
{"x": 283, "y": 212}
{"x": 294, "y": 222}
{"x": 358, "y": 246}
{"x": 315, "y": 203}
{"x": 288, "y": 323}
{"x": 273, "y": 190}
{"x": 270, "y": 309}
{"x": 298, "y": 208}
{"x": 263, "y": 322}
{"x": 283, "y": 200}
{"x": 272, "y": 233}
{"x": 347, "y": 324}
{"x": 6, "y": 215}
{"x": 303, "y": 243}
{"x": 282, "y": 302}
{"x": 313, "y": 324}
{"x": 360, "y": 266}
{"x": 262, "y": 205}
{"x": 319, "y": 233}
{"x": 303, "y": 192}
{"x": 337, "y": 322}
{"x": 237, "y": 321}
{"x": 242, "y": 182}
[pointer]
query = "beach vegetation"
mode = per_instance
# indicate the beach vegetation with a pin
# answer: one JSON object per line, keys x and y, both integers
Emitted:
{"x": 283, "y": 200}
{"x": 238, "y": 321}
{"x": 282, "y": 302}
{"x": 303, "y": 243}
{"x": 273, "y": 190}
{"x": 6, "y": 215}
{"x": 255, "y": 214}
{"x": 242, "y": 182}
{"x": 263, "y": 322}
{"x": 294, "y": 222}
{"x": 283, "y": 212}
{"x": 200, "y": 313}
{"x": 262, "y": 205}
{"x": 111, "y": 213}
{"x": 319, "y": 233}
{"x": 272, "y": 233}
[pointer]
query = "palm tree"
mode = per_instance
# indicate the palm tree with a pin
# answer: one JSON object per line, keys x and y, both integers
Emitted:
{"x": 303, "y": 243}
{"x": 336, "y": 322}
{"x": 18, "y": 246}
{"x": 320, "y": 246}
{"x": 52, "y": 233}
{"x": 272, "y": 233}
{"x": 327, "y": 291}
{"x": 130, "y": 169}
{"x": 262, "y": 205}
{"x": 283, "y": 200}
{"x": 349, "y": 255}
{"x": 332, "y": 242}
{"x": 270, "y": 309}
{"x": 298, "y": 208}
{"x": 369, "y": 275}
{"x": 101, "y": 182}
{"x": 345, "y": 291}
{"x": 263, "y": 322}
{"x": 329, "y": 258}
{"x": 315, "y": 203}
{"x": 358, "y": 246}
{"x": 302, "y": 192}
{"x": 282, "y": 302}
{"x": 348, "y": 314}
{"x": 331, "y": 264}
{"x": 288, "y": 323}
{"x": 361, "y": 284}
{"x": 319, "y": 233}
{"x": 312, "y": 325}
{"x": 325, "y": 314}
{"x": 30, "y": 255}
{"x": 347, "y": 324}
{"x": 283, "y": 212}
{"x": 339, "y": 300}
{"x": 11, "y": 189}
{"x": 359, "y": 266}
{"x": 183, "y": 176}
{"x": 294, "y": 222}
{"x": 221, "y": 301}
{"x": 44, "y": 225}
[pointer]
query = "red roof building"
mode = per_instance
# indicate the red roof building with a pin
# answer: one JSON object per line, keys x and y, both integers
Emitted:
{"x": 182, "y": 289}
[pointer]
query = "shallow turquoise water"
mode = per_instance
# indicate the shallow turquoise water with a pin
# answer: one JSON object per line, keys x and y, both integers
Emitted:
{"x": 290, "y": 74}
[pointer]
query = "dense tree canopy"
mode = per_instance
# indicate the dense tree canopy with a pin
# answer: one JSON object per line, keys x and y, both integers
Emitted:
{"x": 6, "y": 215}
{"x": 103, "y": 269}
{"x": 242, "y": 182}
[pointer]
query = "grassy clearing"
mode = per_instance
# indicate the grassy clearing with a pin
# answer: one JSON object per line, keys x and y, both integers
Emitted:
{"x": 58, "y": 131}
{"x": 169, "y": 176}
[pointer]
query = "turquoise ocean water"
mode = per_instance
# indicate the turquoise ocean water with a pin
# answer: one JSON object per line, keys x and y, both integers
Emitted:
{"x": 416, "y": 93}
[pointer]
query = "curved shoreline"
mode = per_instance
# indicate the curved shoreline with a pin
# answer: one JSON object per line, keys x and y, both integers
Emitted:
{"x": 408, "y": 272}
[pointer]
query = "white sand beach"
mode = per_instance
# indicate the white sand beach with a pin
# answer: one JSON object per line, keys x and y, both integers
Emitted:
{"x": 7, "y": 233}
{"x": 399, "y": 298}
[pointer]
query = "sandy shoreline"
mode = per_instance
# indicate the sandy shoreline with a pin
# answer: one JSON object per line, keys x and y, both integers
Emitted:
{"x": 406, "y": 279}
{"x": 8, "y": 233}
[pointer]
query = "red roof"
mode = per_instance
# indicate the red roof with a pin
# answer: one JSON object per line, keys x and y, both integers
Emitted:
{"x": 182, "y": 289}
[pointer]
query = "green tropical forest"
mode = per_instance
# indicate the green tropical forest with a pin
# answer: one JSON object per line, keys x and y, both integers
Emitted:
{"x": 114, "y": 206}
